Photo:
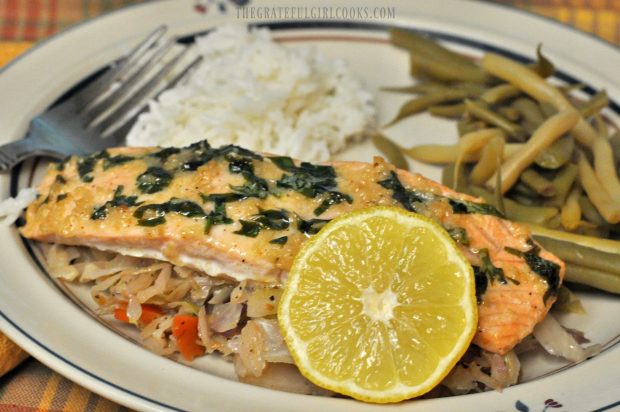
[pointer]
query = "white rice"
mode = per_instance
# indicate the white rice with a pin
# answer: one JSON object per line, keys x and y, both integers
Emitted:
{"x": 11, "y": 208}
{"x": 255, "y": 93}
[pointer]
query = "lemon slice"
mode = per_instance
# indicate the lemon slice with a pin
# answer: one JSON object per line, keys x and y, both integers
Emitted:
{"x": 379, "y": 305}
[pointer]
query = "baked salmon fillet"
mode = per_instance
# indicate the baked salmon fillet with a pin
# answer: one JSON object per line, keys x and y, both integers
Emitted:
{"x": 231, "y": 212}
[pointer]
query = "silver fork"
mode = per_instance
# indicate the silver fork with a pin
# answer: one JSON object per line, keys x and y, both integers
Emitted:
{"x": 100, "y": 114}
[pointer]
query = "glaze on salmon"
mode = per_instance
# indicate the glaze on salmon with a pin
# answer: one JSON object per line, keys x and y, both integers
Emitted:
{"x": 231, "y": 212}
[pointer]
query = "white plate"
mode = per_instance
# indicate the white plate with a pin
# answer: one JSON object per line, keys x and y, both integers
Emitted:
{"x": 40, "y": 317}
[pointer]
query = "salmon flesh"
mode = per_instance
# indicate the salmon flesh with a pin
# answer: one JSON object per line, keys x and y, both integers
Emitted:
{"x": 231, "y": 212}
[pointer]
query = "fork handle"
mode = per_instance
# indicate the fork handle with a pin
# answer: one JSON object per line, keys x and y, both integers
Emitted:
{"x": 14, "y": 152}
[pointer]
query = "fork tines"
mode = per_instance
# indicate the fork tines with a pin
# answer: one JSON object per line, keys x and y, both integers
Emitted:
{"x": 153, "y": 66}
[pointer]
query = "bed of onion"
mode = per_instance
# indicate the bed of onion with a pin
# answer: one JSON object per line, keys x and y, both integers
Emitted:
{"x": 184, "y": 314}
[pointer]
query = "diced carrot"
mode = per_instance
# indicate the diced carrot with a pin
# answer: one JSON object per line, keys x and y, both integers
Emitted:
{"x": 149, "y": 313}
{"x": 185, "y": 331}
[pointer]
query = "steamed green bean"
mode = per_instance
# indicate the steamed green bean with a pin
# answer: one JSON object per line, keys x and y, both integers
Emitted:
{"x": 499, "y": 93}
{"x": 545, "y": 135}
{"x": 558, "y": 154}
{"x": 490, "y": 161}
{"x": 408, "y": 39}
{"x": 562, "y": 182}
{"x": 448, "y": 110}
{"x": 423, "y": 102}
{"x": 596, "y": 103}
{"x": 435, "y": 60}
{"x": 539, "y": 184}
{"x": 595, "y": 278}
{"x": 534, "y": 85}
{"x": 467, "y": 125}
{"x": 419, "y": 88}
{"x": 445, "y": 71}
{"x": 478, "y": 111}
{"x": 529, "y": 110}
{"x": 509, "y": 113}
{"x": 590, "y": 212}
{"x": 391, "y": 150}
{"x": 543, "y": 66}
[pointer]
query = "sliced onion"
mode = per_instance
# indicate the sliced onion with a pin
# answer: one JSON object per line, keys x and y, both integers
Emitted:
{"x": 59, "y": 260}
{"x": 504, "y": 369}
{"x": 179, "y": 291}
{"x": 184, "y": 273}
{"x": 201, "y": 287}
{"x": 134, "y": 283}
{"x": 158, "y": 288}
{"x": 134, "y": 309}
{"x": 252, "y": 361}
{"x": 225, "y": 316}
{"x": 221, "y": 293}
{"x": 263, "y": 302}
{"x": 203, "y": 329}
{"x": 460, "y": 381}
{"x": 559, "y": 342}
{"x": 274, "y": 348}
{"x": 97, "y": 269}
{"x": 103, "y": 284}
{"x": 234, "y": 344}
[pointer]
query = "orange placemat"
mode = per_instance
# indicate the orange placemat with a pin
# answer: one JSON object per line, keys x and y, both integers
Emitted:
{"x": 11, "y": 49}
{"x": 599, "y": 17}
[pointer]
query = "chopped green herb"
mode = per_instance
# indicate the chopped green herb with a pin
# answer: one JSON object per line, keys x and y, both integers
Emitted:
{"x": 283, "y": 162}
{"x": 87, "y": 165}
{"x": 546, "y": 269}
{"x": 409, "y": 197}
{"x": 154, "y": 180}
{"x": 312, "y": 226}
{"x": 217, "y": 217}
{"x": 333, "y": 198}
{"x": 116, "y": 160}
{"x": 203, "y": 153}
{"x": 61, "y": 196}
{"x": 165, "y": 153}
{"x": 482, "y": 283}
{"x": 60, "y": 179}
{"x": 240, "y": 165}
{"x": 406, "y": 197}
{"x": 487, "y": 273}
{"x": 99, "y": 213}
{"x": 310, "y": 180}
{"x": 273, "y": 219}
{"x": 60, "y": 166}
{"x": 266, "y": 219}
{"x": 279, "y": 240}
{"x": 257, "y": 187}
{"x": 248, "y": 228}
{"x": 151, "y": 215}
{"x": 459, "y": 235}
{"x": 464, "y": 206}
{"x": 121, "y": 200}
{"x": 221, "y": 197}
{"x": 155, "y": 214}
{"x": 118, "y": 200}
{"x": 254, "y": 186}
{"x": 185, "y": 208}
